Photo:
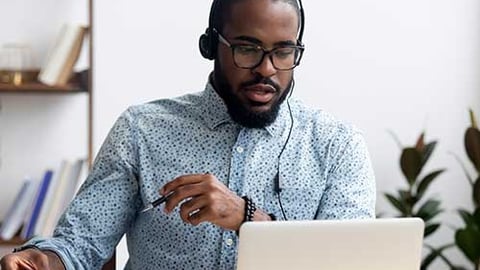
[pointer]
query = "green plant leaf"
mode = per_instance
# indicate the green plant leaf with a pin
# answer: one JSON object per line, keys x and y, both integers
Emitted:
{"x": 472, "y": 145}
{"x": 434, "y": 253}
{"x": 431, "y": 228}
{"x": 476, "y": 192}
{"x": 427, "y": 152}
{"x": 397, "y": 203}
{"x": 468, "y": 240}
{"x": 467, "y": 217}
{"x": 411, "y": 164}
{"x": 456, "y": 267}
{"x": 426, "y": 181}
{"x": 429, "y": 210}
{"x": 476, "y": 218}
{"x": 407, "y": 198}
{"x": 429, "y": 259}
{"x": 473, "y": 121}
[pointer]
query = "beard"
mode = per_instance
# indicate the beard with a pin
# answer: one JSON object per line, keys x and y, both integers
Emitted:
{"x": 239, "y": 110}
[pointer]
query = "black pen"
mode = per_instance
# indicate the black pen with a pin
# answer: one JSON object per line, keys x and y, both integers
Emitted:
{"x": 157, "y": 202}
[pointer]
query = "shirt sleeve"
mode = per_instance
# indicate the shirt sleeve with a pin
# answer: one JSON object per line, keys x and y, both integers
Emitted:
{"x": 105, "y": 206}
{"x": 350, "y": 192}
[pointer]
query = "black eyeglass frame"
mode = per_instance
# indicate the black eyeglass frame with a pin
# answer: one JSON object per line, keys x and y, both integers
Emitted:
{"x": 300, "y": 49}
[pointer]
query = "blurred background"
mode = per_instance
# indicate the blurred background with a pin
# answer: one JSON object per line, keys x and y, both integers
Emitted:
{"x": 407, "y": 67}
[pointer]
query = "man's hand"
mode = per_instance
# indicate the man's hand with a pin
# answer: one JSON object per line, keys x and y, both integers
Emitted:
{"x": 206, "y": 199}
{"x": 31, "y": 259}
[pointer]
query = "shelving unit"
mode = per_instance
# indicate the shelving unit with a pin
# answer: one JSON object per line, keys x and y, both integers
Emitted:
{"x": 81, "y": 83}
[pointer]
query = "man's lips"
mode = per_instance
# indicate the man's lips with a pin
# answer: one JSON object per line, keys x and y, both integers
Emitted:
{"x": 260, "y": 93}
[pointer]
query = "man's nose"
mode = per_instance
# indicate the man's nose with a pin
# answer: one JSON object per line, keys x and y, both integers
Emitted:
{"x": 266, "y": 68}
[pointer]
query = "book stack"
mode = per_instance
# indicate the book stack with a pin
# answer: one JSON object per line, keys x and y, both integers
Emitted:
{"x": 62, "y": 58}
{"x": 39, "y": 204}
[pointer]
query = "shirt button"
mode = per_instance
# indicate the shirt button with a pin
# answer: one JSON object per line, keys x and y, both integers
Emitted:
{"x": 229, "y": 242}
{"x": 240, "y": 149}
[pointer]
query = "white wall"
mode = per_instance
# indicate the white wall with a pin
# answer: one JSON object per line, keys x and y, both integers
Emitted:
{"x": 36, "y": 23}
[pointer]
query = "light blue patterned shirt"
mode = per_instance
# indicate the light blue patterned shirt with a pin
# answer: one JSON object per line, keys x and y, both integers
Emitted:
{"x": 325, "y": 173}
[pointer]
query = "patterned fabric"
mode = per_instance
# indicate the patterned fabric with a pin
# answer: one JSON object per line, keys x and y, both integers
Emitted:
{"x": 325, "y": 173}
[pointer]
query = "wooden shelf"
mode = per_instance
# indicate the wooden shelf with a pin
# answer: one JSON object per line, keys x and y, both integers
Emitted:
{"x": 76, "y": 85}
{"x": 37, "y": 88}
{"x": 16, "y": 241}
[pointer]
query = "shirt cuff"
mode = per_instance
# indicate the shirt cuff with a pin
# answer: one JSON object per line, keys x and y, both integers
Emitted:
{"x": 52, "y": 245}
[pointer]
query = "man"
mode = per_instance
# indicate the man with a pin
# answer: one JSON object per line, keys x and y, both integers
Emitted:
{"x": 234, "y": 153}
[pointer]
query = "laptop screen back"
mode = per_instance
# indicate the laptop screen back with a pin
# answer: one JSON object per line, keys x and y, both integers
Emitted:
{"x": 376, "y": 244}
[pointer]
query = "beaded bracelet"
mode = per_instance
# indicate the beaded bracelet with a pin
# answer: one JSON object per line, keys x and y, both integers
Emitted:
{"x": 250, "y": 209}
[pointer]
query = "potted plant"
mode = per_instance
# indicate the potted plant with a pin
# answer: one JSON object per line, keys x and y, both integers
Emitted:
{"x": 467, "y": 238}
{"x": 411, "y": 201}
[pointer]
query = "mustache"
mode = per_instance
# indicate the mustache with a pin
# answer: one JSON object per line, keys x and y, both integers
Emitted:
{"x": 261, "y": 80}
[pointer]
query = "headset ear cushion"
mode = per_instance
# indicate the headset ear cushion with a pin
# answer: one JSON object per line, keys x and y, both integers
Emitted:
{"x": 205, "y": 46}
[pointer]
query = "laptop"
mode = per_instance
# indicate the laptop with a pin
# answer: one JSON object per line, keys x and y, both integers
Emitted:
{"x": 375, "y": 244}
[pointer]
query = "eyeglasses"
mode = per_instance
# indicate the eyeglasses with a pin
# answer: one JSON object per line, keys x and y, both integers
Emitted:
{"x": 251, "y": 56}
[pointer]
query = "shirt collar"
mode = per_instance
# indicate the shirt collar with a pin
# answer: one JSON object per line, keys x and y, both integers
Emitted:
{"x": 215, "y": 113}
{"x": 213, "y": 109}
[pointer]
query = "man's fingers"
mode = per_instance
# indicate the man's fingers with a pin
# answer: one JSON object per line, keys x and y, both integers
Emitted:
{"x": 8, "y": 263}
{"x": 15, "y": 262}
{"x": 200, "y": 216}
{"x": 181, "y": 181}
{"x": 189, "y": 207}
{"x": 26, "y": 260}
{"x": 182, "y": 193}
{"x": 204, "y": 199}
{"x": 186, "y": 187}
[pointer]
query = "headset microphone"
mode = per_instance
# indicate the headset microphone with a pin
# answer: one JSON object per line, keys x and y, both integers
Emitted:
{"x": 276, "y": 183}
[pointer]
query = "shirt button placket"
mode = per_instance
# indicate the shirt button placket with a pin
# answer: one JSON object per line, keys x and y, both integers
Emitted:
{"x": 238, "y": 162}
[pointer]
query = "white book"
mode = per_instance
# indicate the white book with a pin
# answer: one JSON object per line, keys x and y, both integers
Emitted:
{"x": 62, "y": 57}
{"x": 55, "y": 206}
{"x": 72, "y": 182}
{"x": 84, "y": 172}
{"x": 49, "y": 199}
{"x": 16, "y": 214}
{"x": 64, "y": 194}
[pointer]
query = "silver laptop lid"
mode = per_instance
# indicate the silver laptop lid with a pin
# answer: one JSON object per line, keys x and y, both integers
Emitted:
{"x": 376, "y": 244}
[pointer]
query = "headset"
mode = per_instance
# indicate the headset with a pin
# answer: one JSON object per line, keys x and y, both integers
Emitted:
{"x": 276, "y": 182}
{"x": 209, "y": 40}
{"x": 208, "y": 43}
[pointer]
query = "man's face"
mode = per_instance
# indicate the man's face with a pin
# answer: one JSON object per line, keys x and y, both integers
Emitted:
{"x": 253, "y": 96}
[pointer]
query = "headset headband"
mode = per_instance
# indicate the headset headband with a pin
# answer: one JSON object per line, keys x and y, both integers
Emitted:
{"x": 209, "y": 40}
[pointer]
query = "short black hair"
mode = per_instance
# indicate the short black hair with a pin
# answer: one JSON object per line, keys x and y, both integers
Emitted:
{"x": 223, "y": 10}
